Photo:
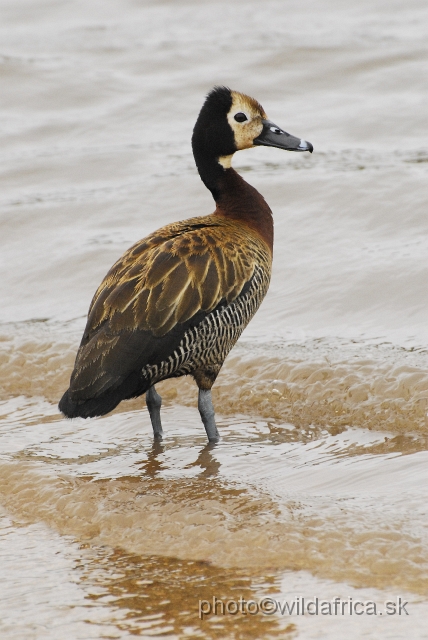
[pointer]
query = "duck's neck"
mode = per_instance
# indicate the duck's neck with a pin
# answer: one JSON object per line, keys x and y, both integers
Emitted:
{"x": 235, "y": 198}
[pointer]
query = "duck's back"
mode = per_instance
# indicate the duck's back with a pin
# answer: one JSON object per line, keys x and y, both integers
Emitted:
{"x": 174, "y": 304}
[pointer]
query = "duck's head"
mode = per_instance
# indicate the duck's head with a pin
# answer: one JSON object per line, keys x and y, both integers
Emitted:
{"x": 230, "y": 121}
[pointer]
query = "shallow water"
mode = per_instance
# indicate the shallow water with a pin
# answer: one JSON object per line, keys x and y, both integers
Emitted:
{"x": 319, "y": 485}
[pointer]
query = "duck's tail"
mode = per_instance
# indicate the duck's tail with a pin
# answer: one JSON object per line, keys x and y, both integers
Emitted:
{"x": 88, "y": 408}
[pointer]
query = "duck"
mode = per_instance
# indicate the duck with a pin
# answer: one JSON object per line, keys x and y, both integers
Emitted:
{"x": 178, "y": 300}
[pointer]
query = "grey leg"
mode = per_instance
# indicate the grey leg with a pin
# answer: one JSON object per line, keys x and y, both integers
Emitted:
{"x": 206, "y": 409}
{"x": 154, "y": 403}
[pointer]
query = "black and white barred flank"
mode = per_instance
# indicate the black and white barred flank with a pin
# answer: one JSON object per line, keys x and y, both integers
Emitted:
{"x": 209, "y": 342}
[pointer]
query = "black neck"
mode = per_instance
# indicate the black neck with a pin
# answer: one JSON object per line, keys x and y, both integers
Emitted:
{"x": 211, "y": 172}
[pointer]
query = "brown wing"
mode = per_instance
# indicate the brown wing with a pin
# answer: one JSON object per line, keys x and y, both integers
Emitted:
{"x": 163, "y": 281}
{"x": 158, "y": 285}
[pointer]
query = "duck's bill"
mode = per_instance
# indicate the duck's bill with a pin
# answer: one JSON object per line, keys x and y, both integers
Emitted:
{"x": 273, "y": 136}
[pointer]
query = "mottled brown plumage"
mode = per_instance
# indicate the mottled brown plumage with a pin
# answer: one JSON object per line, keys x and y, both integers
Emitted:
{"x": 177, "y": 271}
{"x": 176, "y": 302}
{"x": 161, "y": 282}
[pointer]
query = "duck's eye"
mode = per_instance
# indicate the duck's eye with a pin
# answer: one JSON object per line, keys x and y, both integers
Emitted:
{"x": 240, "y": 117}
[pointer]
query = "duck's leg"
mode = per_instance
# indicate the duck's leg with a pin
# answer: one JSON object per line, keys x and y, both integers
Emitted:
{"x": 206, "y": 409}
{"x": 154, "y": 403}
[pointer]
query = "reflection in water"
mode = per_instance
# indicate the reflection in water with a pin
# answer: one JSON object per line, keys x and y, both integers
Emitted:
{"x": 152, "y": 465}
{"x": 160, "y": 596}
{"x": 263, "y": 497}
{"x": 210, "y": 466}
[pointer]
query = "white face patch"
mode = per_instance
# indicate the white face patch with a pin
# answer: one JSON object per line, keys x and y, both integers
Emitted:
{"x": 250, "y": 128}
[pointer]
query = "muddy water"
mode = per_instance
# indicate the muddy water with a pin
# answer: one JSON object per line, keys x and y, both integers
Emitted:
{"x": 319, "y": 485}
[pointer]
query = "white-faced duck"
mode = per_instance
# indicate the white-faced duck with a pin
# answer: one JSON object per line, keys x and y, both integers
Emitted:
{"x": 177, "y": 301}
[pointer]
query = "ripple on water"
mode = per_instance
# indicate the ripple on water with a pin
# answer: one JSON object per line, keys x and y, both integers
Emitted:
{"x": 358, "y": 519}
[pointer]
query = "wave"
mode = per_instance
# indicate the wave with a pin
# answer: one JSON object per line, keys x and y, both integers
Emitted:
{"x": 317, "y": 384}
